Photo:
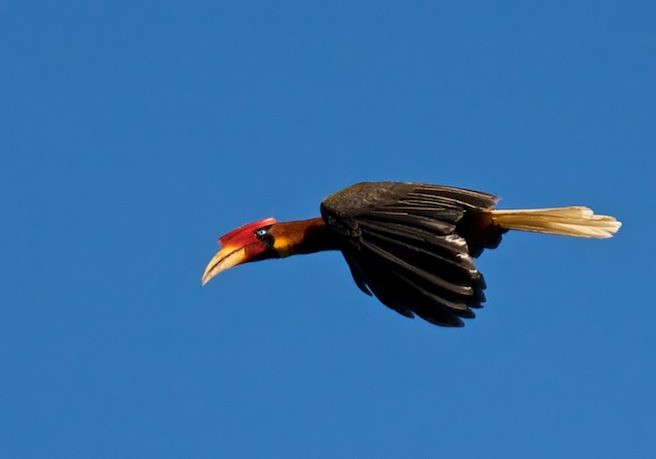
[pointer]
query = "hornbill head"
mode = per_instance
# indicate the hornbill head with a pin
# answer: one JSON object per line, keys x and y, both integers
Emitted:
{"x": 268, "y": 239}
{"x": 251, "y": 242}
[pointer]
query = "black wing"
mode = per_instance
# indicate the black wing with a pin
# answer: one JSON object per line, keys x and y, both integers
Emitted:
{"x": 405, "y": 243}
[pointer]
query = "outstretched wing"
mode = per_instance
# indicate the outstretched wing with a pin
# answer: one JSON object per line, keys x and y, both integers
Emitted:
{"x": 403, "y": 243}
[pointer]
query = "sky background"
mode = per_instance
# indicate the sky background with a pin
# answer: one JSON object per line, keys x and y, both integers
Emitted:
{"x": 133, "y": 134}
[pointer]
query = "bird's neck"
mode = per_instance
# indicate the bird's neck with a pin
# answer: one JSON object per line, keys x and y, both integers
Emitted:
{"x": 302, "y": 237}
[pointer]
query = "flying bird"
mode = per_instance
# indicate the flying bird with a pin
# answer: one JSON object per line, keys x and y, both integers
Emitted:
{"x": 411, "y": 245}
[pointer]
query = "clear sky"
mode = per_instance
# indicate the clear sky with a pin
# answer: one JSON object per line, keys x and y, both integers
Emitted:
{"x": 133, "y": 134}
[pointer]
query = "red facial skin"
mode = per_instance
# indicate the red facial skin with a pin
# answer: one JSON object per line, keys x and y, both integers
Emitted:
{"x": 245, "y": 237}
{"x": 245, "y": 234}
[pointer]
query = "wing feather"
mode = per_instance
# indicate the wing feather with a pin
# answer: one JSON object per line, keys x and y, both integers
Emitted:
{"x": 397, "y": 263}
{"x": 402, "y": 245}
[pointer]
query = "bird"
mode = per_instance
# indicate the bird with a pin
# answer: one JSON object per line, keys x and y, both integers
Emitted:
{"x": 411, "y": 245}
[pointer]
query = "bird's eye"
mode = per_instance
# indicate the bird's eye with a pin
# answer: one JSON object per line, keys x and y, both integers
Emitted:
{"x": 261, "y": 232}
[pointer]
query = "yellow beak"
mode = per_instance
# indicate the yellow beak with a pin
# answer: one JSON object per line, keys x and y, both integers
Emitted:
{"x": 225, "y": 258}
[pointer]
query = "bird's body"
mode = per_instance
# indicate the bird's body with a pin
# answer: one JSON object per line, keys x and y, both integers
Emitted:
{"x": 411, "y": 245}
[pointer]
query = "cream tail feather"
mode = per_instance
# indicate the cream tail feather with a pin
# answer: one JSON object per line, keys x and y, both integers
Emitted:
{"x": 574, "y": 221}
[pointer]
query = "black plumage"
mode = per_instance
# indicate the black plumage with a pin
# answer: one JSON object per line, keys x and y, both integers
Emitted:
{"x": 412, "y": 245}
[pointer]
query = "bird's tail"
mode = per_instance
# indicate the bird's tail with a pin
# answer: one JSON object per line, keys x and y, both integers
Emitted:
{"x": 574, "y": 221}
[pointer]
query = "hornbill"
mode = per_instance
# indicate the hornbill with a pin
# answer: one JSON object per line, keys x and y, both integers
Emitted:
{"x": 410, "y": 244}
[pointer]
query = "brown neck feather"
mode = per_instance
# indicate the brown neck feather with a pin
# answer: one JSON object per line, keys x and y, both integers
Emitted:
{"x": 303, "y": 236}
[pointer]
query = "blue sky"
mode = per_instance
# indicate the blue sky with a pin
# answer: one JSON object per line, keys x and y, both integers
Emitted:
{"x": 133, "y": 134}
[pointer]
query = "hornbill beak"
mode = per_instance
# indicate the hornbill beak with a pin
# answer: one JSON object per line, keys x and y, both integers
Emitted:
{"x": 224, "y": 259}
